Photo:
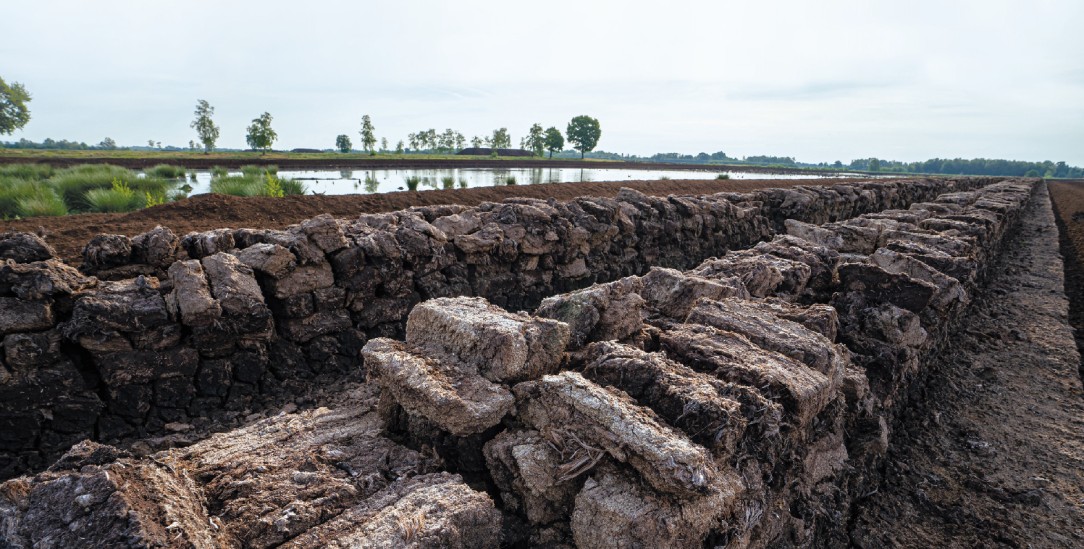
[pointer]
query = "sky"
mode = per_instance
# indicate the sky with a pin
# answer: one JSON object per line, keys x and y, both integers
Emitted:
{"x": 818, "y": 81}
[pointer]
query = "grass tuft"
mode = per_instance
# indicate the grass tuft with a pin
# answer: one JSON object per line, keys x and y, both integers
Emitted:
{"x": 257, "y": 185}
{"x": 29, "y": 172}
{"x": 44, "y": 203}
{"x": 236, "y": 185}
{"x": 292, "y": 187}
{"x": 255, "y": 169}
{"x": 73, "y": 184}
{"x": 119, "y": 198}
{"x": 412, "y": 182}
{"x": 166, "y": 171}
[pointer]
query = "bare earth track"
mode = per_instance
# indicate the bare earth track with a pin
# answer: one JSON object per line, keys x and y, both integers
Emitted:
{"x": 995, "y": 457}
{"x": 207, "y": 212}
{"x": 1068, "y": 199}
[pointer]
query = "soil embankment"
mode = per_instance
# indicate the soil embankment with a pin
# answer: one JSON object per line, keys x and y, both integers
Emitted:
{"x": 207, "y": 212}
{"x": 1068, "y": 199}
{"x": 995, "y": 455}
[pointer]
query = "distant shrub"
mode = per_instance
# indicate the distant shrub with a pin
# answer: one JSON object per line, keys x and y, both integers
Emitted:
{"x": 166, "y": 171}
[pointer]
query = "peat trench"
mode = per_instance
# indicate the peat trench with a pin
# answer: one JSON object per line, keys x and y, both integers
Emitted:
{"x": 990, "y": 453}
{"x": 1074, "y": 282}
{"x": 710, "y": 406}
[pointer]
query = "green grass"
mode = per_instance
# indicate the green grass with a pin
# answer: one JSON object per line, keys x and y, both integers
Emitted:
{"x": 13, "y": 189}
{"x": 73, "y": 184}
{"x": 510, "y": 180}
{"x": 219, "y": 171}
{"x": 256, "y": 185}
{"x": 43, "y": 202}
{"x": 447, "y": 182}
{"x": 29, "y": 172}
{"x": 166, "y": 171}
{"x": 412, "y": 182}
{"x": 113, "y": 201}
{"x": 254, "y": 169}
{"x": 119, "y": 198}
{"x": 237, "y": 185}
{"x": 723, "y": 176}
{"x": 330, "y": 157}
{"x": 293, "y": 187}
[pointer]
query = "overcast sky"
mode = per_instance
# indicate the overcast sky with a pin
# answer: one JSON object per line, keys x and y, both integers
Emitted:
{"x": 820, "y": 81}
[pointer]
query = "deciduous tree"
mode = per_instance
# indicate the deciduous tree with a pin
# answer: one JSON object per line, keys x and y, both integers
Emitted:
{"x": 368, "y": 138}
{"x": 260, "y": 135}
{"x": 584, "y": 132}
{"x": 205, "y": 126}
{"x": 14, "y": 113}
{"x": 500, "y": 139}
{"x": 342, "y": 142}
{"x": 554, "y": 140}
{"x": 535, "y": 140}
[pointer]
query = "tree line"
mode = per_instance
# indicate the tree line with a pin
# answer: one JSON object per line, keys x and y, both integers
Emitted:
{"x": 582, "y": 132}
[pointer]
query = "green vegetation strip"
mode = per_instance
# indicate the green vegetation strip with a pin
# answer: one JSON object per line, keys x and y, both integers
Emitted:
{"x": 31, "y": 190}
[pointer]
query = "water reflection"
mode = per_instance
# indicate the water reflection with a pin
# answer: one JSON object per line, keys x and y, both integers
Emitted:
{"x": 346, "y": 181}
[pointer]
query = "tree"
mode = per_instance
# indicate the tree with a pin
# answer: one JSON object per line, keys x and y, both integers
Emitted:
{"x": 554, "y": 140}
{"x": 13, "y": 111}
{"x": 150, "y": 143}
{"x": 429, "y": 139}
{"x": 412, "y": 138}
{"x": 342, "y": 142}
{"x": 204, "y": 126}
{"x": 500, "y": 139}
{"x": 368, "y": 139}
{"x": 107, "y": 144}
{"x": 399, "y": 147}
{"x": 535, "y": 140}
{"x": 260, "y": 135}
{"x": 583, "y": 132}
{"x": 446, "y": 141}
{"x": 383, "y": 144}
{"x": 460, "y": 140}
{"x": 476, "y": 142}
{"x": 874, "y": 165}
